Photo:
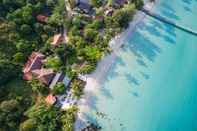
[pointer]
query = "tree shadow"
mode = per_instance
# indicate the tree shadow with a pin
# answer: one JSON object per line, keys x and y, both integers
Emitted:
{"x": 167, "y": 11}
{"x": 141, "y": 62}
{"x": 112, "y": 75}
{"x": 166, "y": 6}
{"x": 146, "y": 76}
{"x": 135, "y": 94}
{"x": 169, "y": 15}
{"x": 164, "y": 27}
{"x": 187, "y": 9}
{"x": 131, "y": 79}
{"x": 106, "y": 92}
{"x": 168, "y": 39}
{"x": 119, "y": 61}
{"x": 156, "y": 28}
{"x": 90, "y": 102}
{"x": 145, "y": 48}
{"x": 187, "y": 1}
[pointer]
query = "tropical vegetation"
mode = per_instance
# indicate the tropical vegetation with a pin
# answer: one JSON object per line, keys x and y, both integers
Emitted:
{"x": 22, "y": 105}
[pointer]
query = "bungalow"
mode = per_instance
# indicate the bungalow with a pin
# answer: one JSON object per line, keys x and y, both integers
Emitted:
{"x": 50, "y": 99}
{"x": 109, "y": 12}
{"x": 41, "y": 18}
{"x": 34, "y": 62}
{"x": 33, "y": 68}
{"x": 119, "y": 2}
{"x": 66, "y": 81}
{"x": 57, "y": 39}
{"x": 84, "y": 7}
{"x": 59, "y": 77}
{"x": 44, "y": 75}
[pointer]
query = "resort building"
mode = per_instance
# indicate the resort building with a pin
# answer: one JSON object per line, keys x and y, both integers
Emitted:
{"x": 119, "y": 2}
{"x": 84, "y": 7}
{"x": 57, "y": 39}
{"x": 109, "y": 12}
{"x": 34, "y": 62}
{"x": 33, "y": 68}
{"x": 50, "y": 99}
{"x": 42, "y": 18}
{"x": 45, "y": 76}
{"x": 59, "y": 77}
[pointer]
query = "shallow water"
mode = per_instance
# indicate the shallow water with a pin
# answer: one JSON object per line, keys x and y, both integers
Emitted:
{"x": 153, "y": 84}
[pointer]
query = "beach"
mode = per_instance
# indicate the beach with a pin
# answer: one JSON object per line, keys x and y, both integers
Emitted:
{"x": 149, "y": 84}
{"x": 96, "y": 79}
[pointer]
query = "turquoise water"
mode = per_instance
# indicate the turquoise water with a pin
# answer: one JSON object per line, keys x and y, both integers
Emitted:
{"x": 153, "y": 84}
{"x": 183, "y": 12}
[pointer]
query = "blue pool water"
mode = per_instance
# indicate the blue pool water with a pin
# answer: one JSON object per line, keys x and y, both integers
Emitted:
{"x": 153, "y": 84}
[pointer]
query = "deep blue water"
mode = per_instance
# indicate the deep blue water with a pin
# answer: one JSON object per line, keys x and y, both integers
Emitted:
{"x": 153, "y": 84}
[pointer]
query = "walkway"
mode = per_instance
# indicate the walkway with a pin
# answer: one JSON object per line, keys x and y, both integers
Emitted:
{"x": 167, "y": 21}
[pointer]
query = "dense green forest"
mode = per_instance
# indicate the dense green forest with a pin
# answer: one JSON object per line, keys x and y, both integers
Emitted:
{"x": 21, "y": 103}
{"x": 20, "y": 33}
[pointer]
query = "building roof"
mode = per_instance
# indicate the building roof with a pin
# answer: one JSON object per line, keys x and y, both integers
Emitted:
{"x": 27, "y": 76}
{"x": 58, "y": 78}
{"x": 57, "y": 39}
{"x": 109, "y": 12}
{"x": 50, "y": 99}
{"x": 120, "y": 2}
{"x": 85, "y": 7}
{"x": 34, "y": 62}
{"x": 41, "y": 18}
{"x": 44, "y": 75}
{"x": 66, "y": 81}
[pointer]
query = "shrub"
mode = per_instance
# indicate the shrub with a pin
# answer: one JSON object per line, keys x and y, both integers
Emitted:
{"x": 90, "y": 34}
{"x": 77, "y": 87}
{"x": 123, "y": 16}
{"x": 92, "y": 53}
{"x": 97, "y": 3}
{"x": 59, "y": 88}
{"x": 88, "y": 68}
{"x": 53, "y": 62}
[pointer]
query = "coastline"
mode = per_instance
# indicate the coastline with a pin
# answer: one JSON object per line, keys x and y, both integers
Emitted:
{"x": 95, "y": 79}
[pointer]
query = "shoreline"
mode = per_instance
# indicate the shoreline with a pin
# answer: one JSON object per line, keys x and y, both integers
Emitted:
{"x": 95, "y": 79}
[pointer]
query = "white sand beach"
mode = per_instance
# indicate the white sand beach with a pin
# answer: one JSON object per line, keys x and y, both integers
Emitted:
{"x": 98, "y": 76}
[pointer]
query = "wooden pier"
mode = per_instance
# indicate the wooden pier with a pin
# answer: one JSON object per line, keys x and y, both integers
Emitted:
{"x": 167, "y": 21}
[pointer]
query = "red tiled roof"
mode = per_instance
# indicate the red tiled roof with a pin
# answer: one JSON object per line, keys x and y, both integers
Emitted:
{"x": 44, "y": 75}
{"x": 57, "y": 39}
{"x": 50, "y": 99}
{"x": 34, "y": 62}
{"x": 41, "y": 18}
{"x": 27, "y": 76}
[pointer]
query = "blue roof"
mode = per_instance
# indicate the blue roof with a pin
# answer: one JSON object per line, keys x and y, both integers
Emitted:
{"x": 66, "y": 81}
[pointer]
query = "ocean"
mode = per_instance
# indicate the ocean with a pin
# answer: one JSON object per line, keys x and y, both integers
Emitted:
{"x": 152, "y": 86}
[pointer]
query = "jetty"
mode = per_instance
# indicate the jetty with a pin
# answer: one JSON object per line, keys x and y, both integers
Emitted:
{"x": 168, "y": 21}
